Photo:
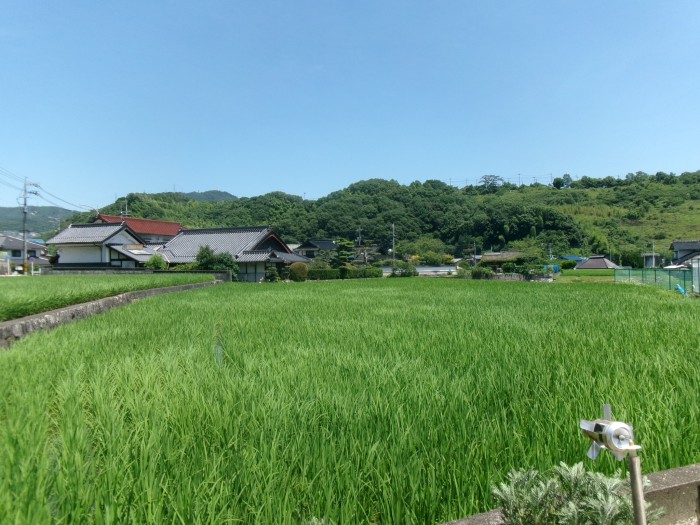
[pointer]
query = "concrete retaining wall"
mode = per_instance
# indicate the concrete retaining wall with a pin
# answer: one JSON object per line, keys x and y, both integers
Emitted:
{"x": 676, "y": 490}
{"x": 11, "y": 331}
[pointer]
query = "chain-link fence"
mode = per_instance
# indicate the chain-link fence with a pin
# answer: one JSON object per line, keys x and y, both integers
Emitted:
{"x": 663, "y": 279}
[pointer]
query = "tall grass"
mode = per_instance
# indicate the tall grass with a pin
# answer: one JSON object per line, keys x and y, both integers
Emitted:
{"x": 24, "y": 296}
{"x": 351, "y": 402}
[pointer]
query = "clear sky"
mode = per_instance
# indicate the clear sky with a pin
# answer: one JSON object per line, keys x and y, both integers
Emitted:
{"x": 99, "y": 99}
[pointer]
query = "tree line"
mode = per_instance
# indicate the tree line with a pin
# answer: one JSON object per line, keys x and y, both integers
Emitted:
{"x": 581, "y": 216}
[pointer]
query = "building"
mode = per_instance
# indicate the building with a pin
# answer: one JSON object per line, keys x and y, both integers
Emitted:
{"x": 596, "y": 262}
{"x": 152, "y": 232}
{"x": 684, "y": 251}
{"x": 100, "y": 245}
{"x": 254, "y": 249}
{"x": 12, "y": 250}
{"x": 312, "y": 247}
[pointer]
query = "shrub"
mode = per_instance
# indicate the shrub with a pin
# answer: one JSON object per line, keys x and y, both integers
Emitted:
{"x": 464, "y": 273}
{"x": 403, "y": 269}
{"x": 365, "y": 273}
{"x": 271, "y": 274}
{"x": 298, "y": 271}
{"x": 156, "y": 263}
{"x": 567, "y": 265}
{"x": 431, "y": 259}
{"x": 320, "y": 274}
{"x": 482, "y": 272}
{"x": 208, "y": 260}
{"x": 187, "y": 267}
{"x": 569, "y": 496}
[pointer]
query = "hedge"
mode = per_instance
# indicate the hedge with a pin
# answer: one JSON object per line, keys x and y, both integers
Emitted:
{"x": 316, "y": 274}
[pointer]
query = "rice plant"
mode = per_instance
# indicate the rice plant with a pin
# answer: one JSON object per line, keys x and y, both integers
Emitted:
{"x": 383, "y": 401}
{"x": 20, "y": 297}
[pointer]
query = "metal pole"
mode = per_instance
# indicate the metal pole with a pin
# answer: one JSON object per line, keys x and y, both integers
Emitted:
{"x": 24, "y": 229}
{"x": 635, "y": 468}
{"x": 393, "y": 246}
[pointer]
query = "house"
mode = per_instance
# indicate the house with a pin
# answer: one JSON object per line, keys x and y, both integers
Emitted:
{"x": 312, "y": 247}
{"x": 100, "y": 245}
{"x": 496, "y": 259}
{"x": 152, "y": 232}
{"x": 684, "y": 251}
{"x": 596, "y": 262}
{"x": 13, "y": 249}
{"x": 650, "y": 260}
{"x": 254, "y": 249}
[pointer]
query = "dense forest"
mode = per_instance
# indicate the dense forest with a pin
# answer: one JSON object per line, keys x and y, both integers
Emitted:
{"x": 621, "y": 218}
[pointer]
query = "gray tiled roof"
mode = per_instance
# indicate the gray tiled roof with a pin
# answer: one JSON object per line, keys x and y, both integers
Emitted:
{"x": 321, "y": 244}
{"x": 290, "y": 257}
{"x": 269, "y": 255}
{"x": 7, "y": 242}
{"x": 86, "y": 234}
{"x": 254, "y": 256}
{"x": 685, "y": 245}
{"x": 184, "y": 247}
{"x": 137, "y": 253}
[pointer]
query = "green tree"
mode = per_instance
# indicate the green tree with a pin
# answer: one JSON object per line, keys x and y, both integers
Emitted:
{"x": 208, "y": 260}
{"x": 156, "y": 262}
{"x": 345, "y": 253}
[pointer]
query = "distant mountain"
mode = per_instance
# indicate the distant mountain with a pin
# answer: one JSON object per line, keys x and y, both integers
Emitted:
{"x": 210, "y": 196}
{"x": 39, "y": 219}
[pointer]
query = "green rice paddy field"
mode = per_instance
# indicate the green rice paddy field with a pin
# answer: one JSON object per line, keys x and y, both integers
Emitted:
{"x": 377, "y": 401}
{"x": 23, "y": 296}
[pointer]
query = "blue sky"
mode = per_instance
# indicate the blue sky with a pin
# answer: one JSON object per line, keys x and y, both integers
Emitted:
{"x": 99, "y": 99}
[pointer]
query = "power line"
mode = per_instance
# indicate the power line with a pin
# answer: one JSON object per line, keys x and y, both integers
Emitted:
{"x": 7, "y": 173}
{"x": 49, "y": 201}
{"x": 10, "y": 185}
{"x": 89, "y": 208}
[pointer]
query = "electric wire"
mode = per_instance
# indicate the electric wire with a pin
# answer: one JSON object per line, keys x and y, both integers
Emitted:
{"x": 89, "y": 208}
{"x": 10, "y": 185}
{"x": 7, "y": 173}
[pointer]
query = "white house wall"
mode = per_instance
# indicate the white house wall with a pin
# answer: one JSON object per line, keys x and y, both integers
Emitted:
{"x": 80, "y": 254}
{"x": 696, "y": 274}
{"x": 122, "y": 238}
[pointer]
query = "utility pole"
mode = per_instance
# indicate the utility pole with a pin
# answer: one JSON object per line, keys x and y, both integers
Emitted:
{"x": 25, "y": 211}
{"x": 393, "y": 246}
{"x": 359, "y": 236}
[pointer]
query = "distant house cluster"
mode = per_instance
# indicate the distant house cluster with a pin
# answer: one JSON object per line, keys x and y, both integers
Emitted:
{"x": 12, "y": 254}
{"x": 116, "y": 242}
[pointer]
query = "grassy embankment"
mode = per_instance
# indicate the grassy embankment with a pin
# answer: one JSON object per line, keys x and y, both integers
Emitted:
{"x": 22, "y": 296}
{"x": 383, "y": 401}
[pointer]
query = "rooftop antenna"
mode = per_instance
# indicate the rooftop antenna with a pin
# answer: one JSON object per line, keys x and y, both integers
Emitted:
{"x": 618, "y": 438}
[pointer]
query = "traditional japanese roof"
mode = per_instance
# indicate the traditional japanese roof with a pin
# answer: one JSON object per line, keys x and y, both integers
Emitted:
{"x": 90, "y": 234}
{"x": 596, "y": 262}
{"x": 685, "y": 245}
{"x": 144, "y": 226}
{"x": 8, "y": 242}
{"x": 500, "y": 256}
{"x": 137, "y": 252}
{"x": 319, "y": 244}
{"x": 184, "y": 247}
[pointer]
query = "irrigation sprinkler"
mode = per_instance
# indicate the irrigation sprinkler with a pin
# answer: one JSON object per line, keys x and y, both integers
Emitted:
{"x": 618, "y": 438}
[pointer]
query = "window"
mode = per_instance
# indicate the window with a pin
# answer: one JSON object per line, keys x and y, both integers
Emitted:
{"x": 31, "y": 253}
{"x": 16, "y": 253}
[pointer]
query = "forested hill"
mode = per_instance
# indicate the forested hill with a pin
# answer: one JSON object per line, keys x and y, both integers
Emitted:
{"x": 621, "y": 217}
{"x": 39, "y": 218}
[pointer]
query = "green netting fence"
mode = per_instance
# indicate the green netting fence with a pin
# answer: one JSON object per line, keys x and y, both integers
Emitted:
{"x": 663, "y": 279}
